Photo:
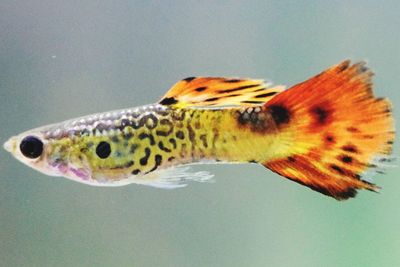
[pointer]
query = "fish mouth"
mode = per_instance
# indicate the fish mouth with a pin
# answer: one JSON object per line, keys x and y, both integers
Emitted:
{"x": 10, "y": 145}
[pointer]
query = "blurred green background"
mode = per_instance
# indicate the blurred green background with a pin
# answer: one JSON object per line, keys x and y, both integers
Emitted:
{"x": 63, "y": 59}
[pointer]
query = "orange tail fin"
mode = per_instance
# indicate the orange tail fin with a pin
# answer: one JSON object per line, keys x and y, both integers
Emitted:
{"x": 333, "y": 127}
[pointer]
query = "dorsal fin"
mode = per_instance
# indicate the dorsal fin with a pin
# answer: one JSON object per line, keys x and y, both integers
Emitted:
{"x": 217, "y": 91}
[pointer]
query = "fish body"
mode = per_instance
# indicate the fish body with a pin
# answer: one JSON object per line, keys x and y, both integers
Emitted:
{"x": 304, "y": 133}
{"x": 149, "y": 138}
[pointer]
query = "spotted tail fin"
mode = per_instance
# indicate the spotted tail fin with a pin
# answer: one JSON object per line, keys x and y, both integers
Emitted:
{"x": 331, "y": 128}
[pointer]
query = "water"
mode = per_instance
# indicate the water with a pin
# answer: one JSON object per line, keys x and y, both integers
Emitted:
{"x": 63, "y": 59}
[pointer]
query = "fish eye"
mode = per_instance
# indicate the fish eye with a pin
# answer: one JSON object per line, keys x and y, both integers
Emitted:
{"x": 31, "y": 147}
{"x": 103, "y": 150}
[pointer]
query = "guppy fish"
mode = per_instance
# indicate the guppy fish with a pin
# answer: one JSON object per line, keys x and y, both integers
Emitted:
{"x": 323, "y": 133}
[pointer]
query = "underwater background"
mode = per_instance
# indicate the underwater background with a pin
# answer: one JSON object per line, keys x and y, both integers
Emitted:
{"x": 64, "y": 59}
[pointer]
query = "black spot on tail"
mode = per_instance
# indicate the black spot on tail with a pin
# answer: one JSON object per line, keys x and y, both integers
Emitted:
{"x": 350, "y": 148}
{"x": 348, "y": 193}
{"x": 344, "y": 66}
{"x": 330, "y": 139}
{"x": 320, "y": 114}
{"x": 337, "y": 169}
{"x": 280, "y": 114}
{"x": 353, "y": 130}
{"x": 368, "y": 136}
{"x": 351, "y": 192}
{"x": 346, "y": 159}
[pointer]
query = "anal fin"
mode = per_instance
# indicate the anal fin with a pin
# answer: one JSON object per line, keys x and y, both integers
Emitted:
{"x": 173, "y": 177}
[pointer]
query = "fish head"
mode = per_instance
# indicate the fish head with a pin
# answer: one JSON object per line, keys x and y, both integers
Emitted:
{"x": 49, "y": 153}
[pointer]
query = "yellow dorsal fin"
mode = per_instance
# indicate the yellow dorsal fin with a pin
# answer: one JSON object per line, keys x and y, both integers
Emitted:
{"x": 215, "y": 91}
